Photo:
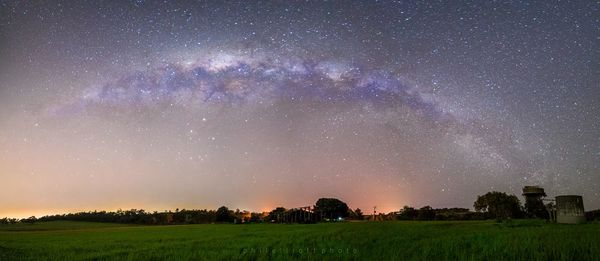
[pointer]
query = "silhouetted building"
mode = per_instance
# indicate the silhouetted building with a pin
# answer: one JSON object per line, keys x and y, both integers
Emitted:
{"x": 534, "y": 204}
{"x": 569, "y": 209}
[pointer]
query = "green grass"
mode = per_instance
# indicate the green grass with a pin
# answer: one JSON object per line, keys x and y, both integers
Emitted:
{"x": 472, "y": 240}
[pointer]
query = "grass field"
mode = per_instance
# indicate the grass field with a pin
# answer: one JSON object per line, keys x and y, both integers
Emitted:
{"x": 468, "y": 240}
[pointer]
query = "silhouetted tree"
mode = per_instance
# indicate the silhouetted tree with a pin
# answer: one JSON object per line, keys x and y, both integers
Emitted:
{"x": 499, "y": 205}
{"x": 408, "y": 213}
{"x": 255, "y": 217}
{"x": 29, "y": 220}
{"x": 593, "y": 215}
{"x": 356, "y": 214}
{"x": 455, "y": 214}
{"x": 331, "y": 208}
{"x": 426, "y": 213}
{"x": 276, "y": 215}
{"x": 224, "y": 215}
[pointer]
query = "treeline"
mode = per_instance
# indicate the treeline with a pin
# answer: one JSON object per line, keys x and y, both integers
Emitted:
{"x": 429, "y": 213}
{"x": 139, "y": 216}
{"x": 492, "y": 205}
{"x": 10, "y": 220}
{"x": 593, "y": 215}
{"x": 325, "y": 209}
{"x": 277, "y": 215}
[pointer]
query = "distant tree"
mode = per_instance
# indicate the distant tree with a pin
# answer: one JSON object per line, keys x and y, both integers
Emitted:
{"x": 255, "y": 217}
{"x": 331, "y": 208}
{"x": 593, "y": 215}
{"x": 276, "y": 215}
{"x": 453, "y": 214}
{"x": 408, "y": 213}
{"x": 356, "y": 214}
{"x": 29, "y": 220}
{"x": 426, "y": 213}
{"x": 237, "y": 216}
{"x": 224, "y": 215}
{"x": 499, "y": 205}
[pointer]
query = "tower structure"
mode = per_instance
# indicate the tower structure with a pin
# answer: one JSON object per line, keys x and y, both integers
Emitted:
{"x": 534, "y": 204}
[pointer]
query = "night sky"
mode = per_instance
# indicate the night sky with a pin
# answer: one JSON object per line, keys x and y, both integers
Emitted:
{"x": 253, "y": 105}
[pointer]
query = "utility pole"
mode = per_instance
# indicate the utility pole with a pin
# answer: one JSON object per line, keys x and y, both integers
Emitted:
{"x": 374, "y": 212}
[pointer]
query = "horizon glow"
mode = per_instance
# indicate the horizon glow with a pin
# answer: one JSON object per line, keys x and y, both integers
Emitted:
{"x": 158, "y": 106}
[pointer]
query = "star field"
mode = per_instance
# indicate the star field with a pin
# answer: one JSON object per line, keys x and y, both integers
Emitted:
{"x": 253, "y": 105}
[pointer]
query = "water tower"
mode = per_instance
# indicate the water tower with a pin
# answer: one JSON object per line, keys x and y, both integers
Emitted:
{"x": 569, "y": 209}
{"x": 533, "y": 193}
{"x": 534, "y": 204}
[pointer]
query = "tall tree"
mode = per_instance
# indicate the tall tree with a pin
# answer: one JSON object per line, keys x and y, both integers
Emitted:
{"x": 276, "y": 215}
{"x": 357, "y": 214}
{"x": 224, "y": 215}
{"x": 499, "y": 205}
{"x": 331, "y": 208}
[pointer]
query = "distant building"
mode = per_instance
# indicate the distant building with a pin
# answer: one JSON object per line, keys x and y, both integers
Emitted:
{"x": 566, "y": 208}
